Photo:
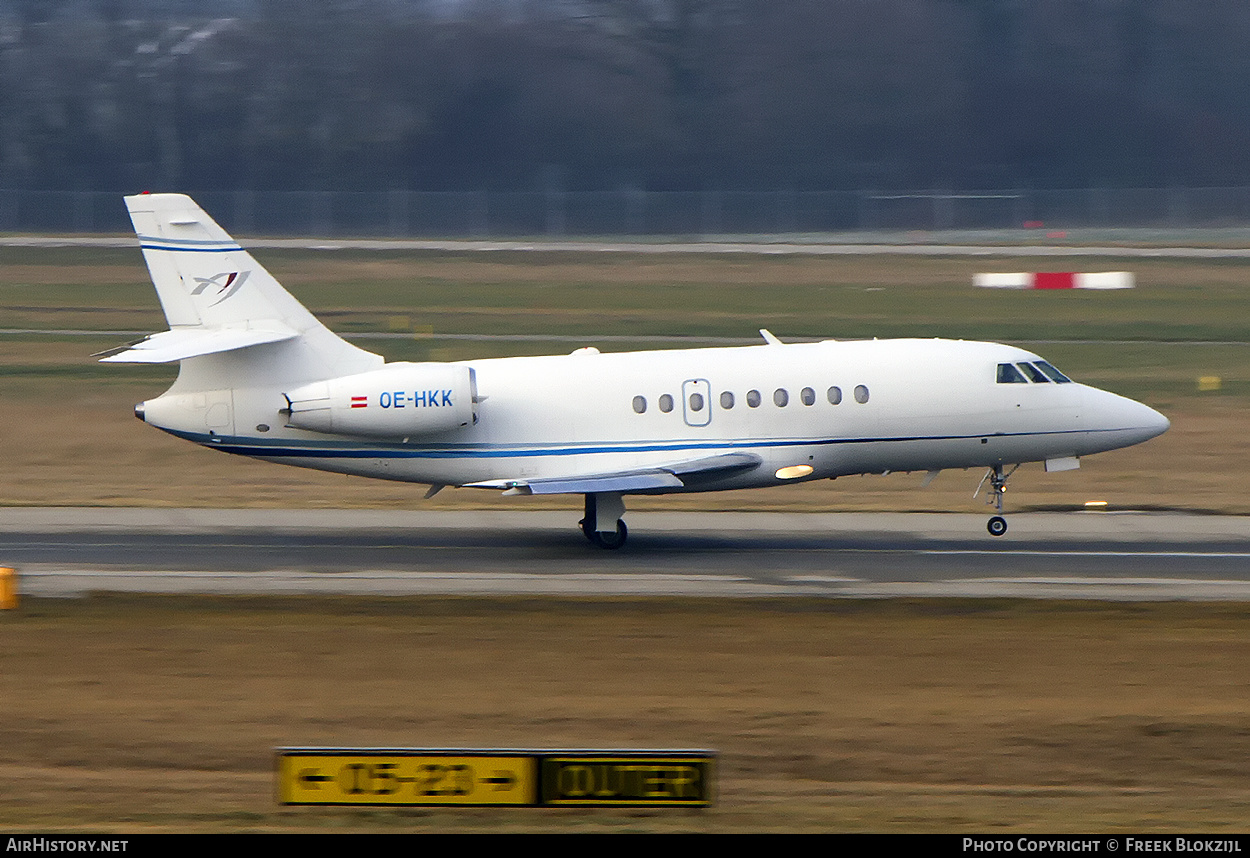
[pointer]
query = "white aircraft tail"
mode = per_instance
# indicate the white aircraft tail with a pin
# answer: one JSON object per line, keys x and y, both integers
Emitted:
{"x": 218, "y": 300}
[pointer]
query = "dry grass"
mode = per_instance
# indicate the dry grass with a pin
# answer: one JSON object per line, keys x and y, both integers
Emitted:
{"x": 149, "y": 714}
{"x": 586, "y": 293}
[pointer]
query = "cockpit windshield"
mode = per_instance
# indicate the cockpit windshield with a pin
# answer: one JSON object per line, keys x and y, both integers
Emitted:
{"x": 1008, "y": 374}
{"x": 1033, "y": 373}
{"x": 1024, "y": 372}
{"x": 1055, "y": 375}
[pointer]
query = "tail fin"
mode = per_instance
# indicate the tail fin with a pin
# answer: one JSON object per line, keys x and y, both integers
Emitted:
{"x": 217, "y": 298}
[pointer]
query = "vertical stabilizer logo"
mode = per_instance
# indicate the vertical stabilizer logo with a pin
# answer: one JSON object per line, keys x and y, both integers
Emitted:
{"x": 227, "y": 283}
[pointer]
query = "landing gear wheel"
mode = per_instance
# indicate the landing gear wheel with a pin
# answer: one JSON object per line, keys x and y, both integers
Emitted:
{"x": 610, "y": 505}
{"x": 997, "y": 525}
{"x": 609, "y": 540}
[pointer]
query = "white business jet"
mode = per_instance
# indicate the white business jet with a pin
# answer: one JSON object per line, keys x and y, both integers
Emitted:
{"x": 260, "y": 376}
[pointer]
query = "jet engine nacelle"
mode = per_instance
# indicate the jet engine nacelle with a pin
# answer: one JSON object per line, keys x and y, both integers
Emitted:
{"x": 398, "y": 401}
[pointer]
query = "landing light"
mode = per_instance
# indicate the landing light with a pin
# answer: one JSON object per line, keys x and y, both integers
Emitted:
{"x": 1095, "y": 504}
{"x": 793, "y": 472}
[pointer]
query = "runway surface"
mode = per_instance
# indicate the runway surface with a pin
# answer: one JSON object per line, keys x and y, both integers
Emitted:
{"x": 1079, "y": 555}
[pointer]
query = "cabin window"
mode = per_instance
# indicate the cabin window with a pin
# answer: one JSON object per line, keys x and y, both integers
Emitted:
{"x": 696, "y": 402}
{"x": 780, "y": 398}
{"x": 861, "y": 394}
{"x": 1055, "y": 375}
{"x": 666, "y": 403}
{"x": 808, "y": 396}
{"x": 1008, "y": 374}
{"x": 753, "y": 398}
{"x": 1033, "y": 373}
{"x": 640, "y": 405}
{"x": 834, "y": 395}
{"x": 726, "y": 400}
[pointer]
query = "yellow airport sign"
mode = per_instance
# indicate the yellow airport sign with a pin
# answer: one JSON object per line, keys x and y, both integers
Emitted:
{"x": 493, "y": 776}
{"x": 366, "y": 777}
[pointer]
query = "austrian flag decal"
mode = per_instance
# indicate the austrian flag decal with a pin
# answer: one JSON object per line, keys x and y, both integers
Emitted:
{"x": 360, "y": 402}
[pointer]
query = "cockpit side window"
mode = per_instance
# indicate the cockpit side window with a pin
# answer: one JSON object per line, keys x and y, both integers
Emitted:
{"x": 1055, "y": 375}
{"x": 1034, "y": 374}
{"x": 1008, "y": 374}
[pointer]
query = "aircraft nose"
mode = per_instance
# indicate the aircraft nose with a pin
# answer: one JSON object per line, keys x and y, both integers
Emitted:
{"x": 1143, "y": 421}
{"x": 1123, "y": 422}
{"x": 1153, "y": 421}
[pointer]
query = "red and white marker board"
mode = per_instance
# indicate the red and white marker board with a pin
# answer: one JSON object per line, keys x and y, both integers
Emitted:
{"x": 1056, "y": 280}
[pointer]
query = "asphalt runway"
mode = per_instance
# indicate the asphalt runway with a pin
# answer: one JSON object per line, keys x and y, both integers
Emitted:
{"x": 1079, "y": 555}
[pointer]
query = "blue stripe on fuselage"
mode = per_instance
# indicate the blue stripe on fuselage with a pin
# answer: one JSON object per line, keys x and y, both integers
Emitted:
{"x": 266, "y": 448}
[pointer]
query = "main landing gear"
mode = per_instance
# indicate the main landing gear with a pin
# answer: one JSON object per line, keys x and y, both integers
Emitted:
{"x": 997, "y": 525}
{"x": 602, "y": 523}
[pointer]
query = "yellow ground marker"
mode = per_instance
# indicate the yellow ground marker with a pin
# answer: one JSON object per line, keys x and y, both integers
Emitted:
{"x": 8, "y": 588}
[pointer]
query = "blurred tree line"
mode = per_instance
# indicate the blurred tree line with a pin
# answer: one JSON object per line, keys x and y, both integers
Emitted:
{"x": 605, "y": 94}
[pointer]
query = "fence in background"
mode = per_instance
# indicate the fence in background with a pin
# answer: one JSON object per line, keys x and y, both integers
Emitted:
{"x": 485, "y": 214}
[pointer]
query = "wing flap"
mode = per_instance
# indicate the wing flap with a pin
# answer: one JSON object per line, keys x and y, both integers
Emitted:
{"x": 674, "y": 475}
{"x": 713, "y": 464}
{"x": 180, "y": 343}
{"x": 605, "y": 483}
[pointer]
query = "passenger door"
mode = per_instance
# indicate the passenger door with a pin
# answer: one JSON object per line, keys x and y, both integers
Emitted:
{"x": 696, "y": 402}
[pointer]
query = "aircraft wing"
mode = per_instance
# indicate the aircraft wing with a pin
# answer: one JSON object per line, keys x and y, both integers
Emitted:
{"x": 180, "y": 343}
{"x": 673, "y": 475}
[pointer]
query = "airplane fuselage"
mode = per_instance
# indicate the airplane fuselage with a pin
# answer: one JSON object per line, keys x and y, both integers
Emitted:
{"x": 836, "y": 408}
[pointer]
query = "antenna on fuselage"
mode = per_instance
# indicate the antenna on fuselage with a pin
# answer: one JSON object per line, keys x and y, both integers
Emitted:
{"x": 769, "y": 338}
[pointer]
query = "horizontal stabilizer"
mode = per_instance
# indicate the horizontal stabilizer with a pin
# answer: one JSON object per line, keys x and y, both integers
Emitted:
{"x": 674, "y": 475}
{"x": 183, "y": 343}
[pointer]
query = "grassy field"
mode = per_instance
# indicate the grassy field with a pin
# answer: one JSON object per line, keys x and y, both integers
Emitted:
{"x": 623, "y": 294}
{"x": 137, "y": 714}
{"x": 71, "y": 440}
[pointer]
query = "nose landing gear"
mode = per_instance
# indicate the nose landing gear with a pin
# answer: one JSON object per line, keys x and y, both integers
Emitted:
{"x": 997, "y": 525}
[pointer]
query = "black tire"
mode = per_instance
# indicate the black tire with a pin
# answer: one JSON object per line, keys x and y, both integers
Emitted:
{"x": 609, "y": 540}
{"x": 587, "y": 523}
{"x": 997, "y": 526}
